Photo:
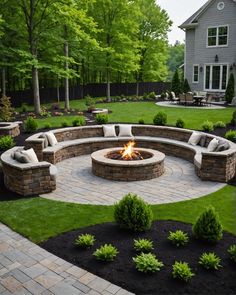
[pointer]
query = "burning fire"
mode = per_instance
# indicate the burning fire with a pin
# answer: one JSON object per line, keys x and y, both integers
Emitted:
{"x": 128, "y": 153}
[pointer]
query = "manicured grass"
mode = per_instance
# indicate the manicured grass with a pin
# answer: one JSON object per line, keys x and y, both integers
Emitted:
{"x": 38, "y": 219}
{"x": 131, "y": 112}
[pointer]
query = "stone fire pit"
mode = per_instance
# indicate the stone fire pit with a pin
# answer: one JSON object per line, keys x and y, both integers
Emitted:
{"x": 151, "y": 166}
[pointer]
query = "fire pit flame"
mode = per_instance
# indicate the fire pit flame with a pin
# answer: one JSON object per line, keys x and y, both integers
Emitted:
{"x": 128, "y": 153}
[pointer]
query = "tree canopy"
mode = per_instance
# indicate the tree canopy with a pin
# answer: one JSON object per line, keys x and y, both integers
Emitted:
{"x": 57, "y": 43}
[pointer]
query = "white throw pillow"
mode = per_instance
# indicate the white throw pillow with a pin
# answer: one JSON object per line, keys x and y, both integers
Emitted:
{"x": 212, "y": 145}
{"x": 125, "y": 130}
{"x": 194, "y": 138}
{"x": 51, "y": 138}
{"x": 109, "y": 130}
{"x": 30, "y": 155}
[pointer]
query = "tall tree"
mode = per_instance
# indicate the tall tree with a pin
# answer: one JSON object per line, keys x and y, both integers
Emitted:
{"x": 175, "y": 59}
{"x": 117, "y": 24}
{"x": 154, "y": 24}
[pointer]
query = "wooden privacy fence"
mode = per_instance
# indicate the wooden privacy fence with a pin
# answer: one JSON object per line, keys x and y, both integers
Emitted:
{"x": 94, "y": 90}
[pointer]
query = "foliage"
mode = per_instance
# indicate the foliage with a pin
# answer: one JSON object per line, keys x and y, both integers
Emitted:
{"x": 106, "y": 252}
{"x": 207, "y": 126}
{"x": 152, "y": 95}
{"x": 230, "y": 91}
{"x": 141, "y": 122}
{"x": 24, "y": 108}
{"x": 85, "y": 241}
{"x": 176, "y": 84}
{"x": 133, "y": 213}
{"x": 182, "y": 271}
{"x": 64, "y": 123}
{"x": 232, "y": 252}
{"x": 101, "y": 118}
{"x": 208, "y": 226}
{"x": 178, "y": 238}
{"x": 80, "y": 121}
{"x": 6, "y": 110}
{"x": 186, "y": 88}
{"x": 6, "y": 142}
{"x": 233, "y": 120}
{"x": 210, "y": 261}
{"x": 175, "y": 59}
{"x": 160, "y": 119}
{"x": 143, "y": 245}
{"x": 180, "y": 123}
{"x": 219, "y": 124}
{"x": 231, "y": 135}
{"x": 147, "y": 262}
{"x": 90, "y": 102}
{"x": 30, "y": 125}
{"x": 47, "y": 126}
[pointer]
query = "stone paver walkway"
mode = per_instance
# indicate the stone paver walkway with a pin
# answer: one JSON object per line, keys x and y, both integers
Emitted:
{"x": 77, "y": 184}
{"x": 27, "y": 269}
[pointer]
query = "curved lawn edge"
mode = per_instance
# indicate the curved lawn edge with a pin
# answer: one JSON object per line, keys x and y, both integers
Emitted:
{"x": 39, "y": 219}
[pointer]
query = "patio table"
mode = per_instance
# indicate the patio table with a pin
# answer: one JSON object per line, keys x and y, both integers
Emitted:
{"x": 198, "y": 99}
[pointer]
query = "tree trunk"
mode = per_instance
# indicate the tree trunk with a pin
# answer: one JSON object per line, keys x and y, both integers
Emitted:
{"x": 137, "y": 88}
{"x": 66, "y": 54}
{"x": 108, "y": 86}
{"x": 35, "y": 81}
{"x": 3, "y": 82}
{"x": 58, "y": 90}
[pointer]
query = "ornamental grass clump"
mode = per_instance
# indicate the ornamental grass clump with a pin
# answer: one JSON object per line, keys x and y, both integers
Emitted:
{"x": 208, "y": 226}
{"x": 182, "y": 271}
{"x": 147, "y": 263}
{"x": 6, "y": 142}
{"x": 101, "y": 118}
{"x": 79, "y": 121}
{"x": 231, "y": 135}
{"x": 178, "y": 238}
{"x": 210, "y": 261}
{"x": 219, "y": 124}
{"x": 232, "y": 253}
{"x": 106, "y": 252}
{"x": 143, "y": 245}
{"x": 207, "y": 126}
{"x": 133, "y": 213}
{"x": 85, "y": 241}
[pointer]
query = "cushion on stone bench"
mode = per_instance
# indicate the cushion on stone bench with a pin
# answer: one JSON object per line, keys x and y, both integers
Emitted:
{"x": 53, "y": 171}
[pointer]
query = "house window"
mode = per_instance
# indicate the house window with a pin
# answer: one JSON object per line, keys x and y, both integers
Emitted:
{"x": 217, "y": 36}
{"x": 195, "y": 73}
{"x": 216, "y": 77}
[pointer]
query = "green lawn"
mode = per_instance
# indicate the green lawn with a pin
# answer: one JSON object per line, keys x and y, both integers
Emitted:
{"x": 131, "y": 112}
{"x": 38, "y": 218}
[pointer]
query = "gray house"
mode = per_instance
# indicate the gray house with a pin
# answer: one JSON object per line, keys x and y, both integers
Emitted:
{"x": 210, "y": 50}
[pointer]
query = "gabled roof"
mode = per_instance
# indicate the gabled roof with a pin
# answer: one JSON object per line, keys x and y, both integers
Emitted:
{"x": 192, "y": 20}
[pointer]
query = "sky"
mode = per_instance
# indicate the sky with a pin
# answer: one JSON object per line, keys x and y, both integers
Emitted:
{"x": 179, "y": 11}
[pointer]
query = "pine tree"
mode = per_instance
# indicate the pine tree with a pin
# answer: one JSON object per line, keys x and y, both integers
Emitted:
{"x": 208, "y": 226}
{"x": 229, "y": 94}
{"x": 6, "y": 110}
{"x": 175, "y": 85}
{"x": 186, "y": 87}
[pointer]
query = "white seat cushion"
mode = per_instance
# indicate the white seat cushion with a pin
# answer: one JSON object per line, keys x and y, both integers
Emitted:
{"x": 51, "y": 138}
{"x": 30, "y": 155}
{"x": 194, "y": 138}
{"x": 212, "y": 145}
{"x": 125, "y": 131}
{"x": 109, "y": 130}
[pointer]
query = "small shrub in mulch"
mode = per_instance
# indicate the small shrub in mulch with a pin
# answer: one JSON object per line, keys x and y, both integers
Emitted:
{"x": 122, "y": 270}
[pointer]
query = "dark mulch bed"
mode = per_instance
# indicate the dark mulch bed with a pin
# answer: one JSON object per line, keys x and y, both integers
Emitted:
{"x": 122, "y": 270}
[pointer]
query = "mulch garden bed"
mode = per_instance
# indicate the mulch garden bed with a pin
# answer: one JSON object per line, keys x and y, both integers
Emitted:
{"x": 122, "y": 270}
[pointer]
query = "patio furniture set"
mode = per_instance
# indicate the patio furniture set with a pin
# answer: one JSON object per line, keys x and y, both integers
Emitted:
{"x": 214, "y": 158}
{"x": 199, "y": 98}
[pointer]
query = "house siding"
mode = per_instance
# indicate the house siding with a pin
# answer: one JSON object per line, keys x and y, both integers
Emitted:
{"x": 197, "y": 51}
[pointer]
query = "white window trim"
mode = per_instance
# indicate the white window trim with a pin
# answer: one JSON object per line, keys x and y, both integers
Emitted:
{"x": 195, "y": 82}
{"x": 227, "y": 76}
{"x": 217, "y": 36}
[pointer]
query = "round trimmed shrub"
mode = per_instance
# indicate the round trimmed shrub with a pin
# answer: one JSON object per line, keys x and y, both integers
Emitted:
{"x": 141, "y": 121}
{"x": 30, "y": 125}
{"x": 208, "y": 227}
{"x": 101, "y": 118}
{"x": 133, "y": 213}
{"x": 180, "y": 123}
{"x": 6, "y": 142}
{"x": 160, "y": 119}
{"x": 208, "y": 126}
{"x": 231, "y": 135}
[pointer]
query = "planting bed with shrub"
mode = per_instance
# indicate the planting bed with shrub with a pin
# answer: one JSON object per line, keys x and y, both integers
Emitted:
{"x": 143, "y": 259}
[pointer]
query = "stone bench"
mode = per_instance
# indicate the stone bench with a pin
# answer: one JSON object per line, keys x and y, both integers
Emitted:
{"x": 10, "y": 128}
{"x": 76, "y": 141}
{"x": 28, "y": 178}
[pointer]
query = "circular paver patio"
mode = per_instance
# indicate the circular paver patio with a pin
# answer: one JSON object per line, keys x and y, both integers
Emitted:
{"x": 176, "y": 105}
{"x": 77, "y": 184}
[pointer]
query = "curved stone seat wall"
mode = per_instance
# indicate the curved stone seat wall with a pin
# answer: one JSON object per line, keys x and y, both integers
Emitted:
{"x": 216, "y": 166}
{"x": 8, "y": 128}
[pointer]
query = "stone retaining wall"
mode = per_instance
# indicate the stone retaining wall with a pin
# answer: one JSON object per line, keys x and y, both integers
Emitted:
{"x": 7, "y": 128}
